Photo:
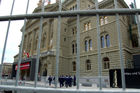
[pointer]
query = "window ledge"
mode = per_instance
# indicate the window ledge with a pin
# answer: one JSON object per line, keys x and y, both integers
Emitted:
{"x": 104, "y": 70}
{"x": 73, "y": 71}
{"x": 88, "y": 71}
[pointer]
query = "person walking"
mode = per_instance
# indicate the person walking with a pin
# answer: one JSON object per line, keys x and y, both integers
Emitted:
{"x": 74, "y": 80}
{"x": 66, "y": 81}
{"x": 70, "y": 81}
{"x": 50, "y": 80}
{"x": 63, "y": 80}
{"x": 60, "y": 81}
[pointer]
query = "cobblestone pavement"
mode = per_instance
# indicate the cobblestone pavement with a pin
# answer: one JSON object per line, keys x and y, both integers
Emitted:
{"x": 40, "y": 84}
{"x": 46, "y": 85}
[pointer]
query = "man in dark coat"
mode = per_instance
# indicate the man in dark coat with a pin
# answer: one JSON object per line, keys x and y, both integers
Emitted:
{"x": 74, "y": 80}
{"x": 70, "y": 81}
{"x": 66, "y": 81}
{"x": 60, "y": 81}
{"x": 50, "y": 80}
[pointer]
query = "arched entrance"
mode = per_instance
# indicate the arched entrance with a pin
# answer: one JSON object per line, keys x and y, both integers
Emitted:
{"x": 45, "y": 72}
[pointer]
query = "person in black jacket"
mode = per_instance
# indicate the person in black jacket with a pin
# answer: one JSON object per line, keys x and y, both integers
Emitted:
{"x": 70, "y": 81}
{"x": 50, "y": 80}
{"x": 74, "y": 80}
{"x": 66, "y": 81}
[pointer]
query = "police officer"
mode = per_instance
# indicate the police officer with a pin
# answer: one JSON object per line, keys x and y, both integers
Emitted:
{"x": 66, "y": 81}
{"x": 60, "y": 81}
{"x": 74, "y": 80}
{"x": 70, "y": 81}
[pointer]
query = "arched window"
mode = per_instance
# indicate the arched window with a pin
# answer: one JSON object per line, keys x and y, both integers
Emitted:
{"x": 74, "y": 66}
{"x": 90, "y": 44}
{"x": 88, "y": 65}
{"x": 86, "y": 45}
{"x": 73, "y": 48}
{"x": 107, "y": 40}
{"x": 106, "y": 64}
{"x": 76, "y": 48}
{"x": 43, "y": 42}
{"x": 102, "y": 42}
{"x": 35, "y": 45}
{"x": 30, "y": 44}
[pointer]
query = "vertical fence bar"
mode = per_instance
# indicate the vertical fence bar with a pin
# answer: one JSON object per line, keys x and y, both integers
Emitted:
{"x": 137, "y": 22}
{"x": 58, "y": 45}
{"x": 99, "y": 48}
{"x": 21, "y": 47}
{"x": 120, "y": 47}
{"x": 38, "y": 47}
{"x": 5, "y": 43}
{"x": 78, "y": 47}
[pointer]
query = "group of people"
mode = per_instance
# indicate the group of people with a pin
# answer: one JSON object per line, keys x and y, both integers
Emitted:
{"x": 66, "y": 81}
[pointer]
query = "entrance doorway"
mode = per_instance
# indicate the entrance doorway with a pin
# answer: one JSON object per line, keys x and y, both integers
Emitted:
{"x": 25, "y": 74}
{"x": 45, "y": 72}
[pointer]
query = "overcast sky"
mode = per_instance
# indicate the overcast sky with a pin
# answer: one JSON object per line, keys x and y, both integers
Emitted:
{"x": 14, "y": 32}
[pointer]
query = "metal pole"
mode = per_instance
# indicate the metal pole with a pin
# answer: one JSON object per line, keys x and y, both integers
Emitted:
{"x": 93, "y": 12}
{"x": 99, "y": 49}
{"x": 120, "y": 47}
{"x": 78, "y": 47}
{"x": 21, "y": 47}
{"x": 137, "y": 22}
{"x": 38, "y": 47}
{"x": 58, "y": 45}
{"x": 5, "y": 43}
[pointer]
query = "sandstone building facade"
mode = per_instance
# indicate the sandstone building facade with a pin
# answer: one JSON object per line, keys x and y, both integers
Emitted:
{"x": 88, "y": 40}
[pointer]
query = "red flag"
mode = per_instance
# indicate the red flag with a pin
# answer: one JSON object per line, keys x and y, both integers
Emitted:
{"x": 27, "y": 55}
{"x": 24, "y": 53}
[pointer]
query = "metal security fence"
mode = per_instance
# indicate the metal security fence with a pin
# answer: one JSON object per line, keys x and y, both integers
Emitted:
{"x": 59, "y": 14}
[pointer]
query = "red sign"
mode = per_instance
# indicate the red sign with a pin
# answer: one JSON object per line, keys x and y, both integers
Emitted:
{"x": 23, "y": 66}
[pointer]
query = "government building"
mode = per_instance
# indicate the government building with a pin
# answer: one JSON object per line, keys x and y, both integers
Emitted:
{"x": 110, "y": 53}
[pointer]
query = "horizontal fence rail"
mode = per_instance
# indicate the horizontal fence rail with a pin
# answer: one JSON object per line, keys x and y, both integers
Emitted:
{"x": 52, "y": 90}
{"x": 101, "y": 12}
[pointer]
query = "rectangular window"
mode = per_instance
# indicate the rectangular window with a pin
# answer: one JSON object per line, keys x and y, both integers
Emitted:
{"x": 86, "y": 45}
{"x": 89, "y": 25}
{"x": 102, "y": 42}
{"x": 90, "y": 44}
{"x": 73, "y": 31}
{"x": 73, "y": 48}
{"x": 74, "y": 66}
{"x": 88, "y": 65}
{"x": 101, "y": 21}
{"x": 107, "y": 41}
{"x": 105, "y": 20}
{"x": 86, "y": 26}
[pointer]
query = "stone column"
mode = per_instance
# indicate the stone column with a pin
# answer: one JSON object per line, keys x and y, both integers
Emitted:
{"x": 32, "y": 42}
{"x": 47, "y": 28}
